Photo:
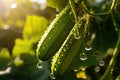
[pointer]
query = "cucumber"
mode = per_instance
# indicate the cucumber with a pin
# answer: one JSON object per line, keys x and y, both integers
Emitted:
{"x": 70, "y": 49}
{"x": 55, "y": 35}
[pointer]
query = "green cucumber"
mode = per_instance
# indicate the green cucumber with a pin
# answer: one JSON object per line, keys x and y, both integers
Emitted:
{"x": 55, "y": 35}
{"x": 70, "y": 49}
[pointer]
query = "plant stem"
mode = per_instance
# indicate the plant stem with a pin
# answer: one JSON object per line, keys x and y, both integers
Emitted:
{"x": 113, "y": 4}
{"x": 114, "y": 22}
{"x": 112, "y": 15}
{"x": 93, "y": 14}
{"x": 73, "y": 10}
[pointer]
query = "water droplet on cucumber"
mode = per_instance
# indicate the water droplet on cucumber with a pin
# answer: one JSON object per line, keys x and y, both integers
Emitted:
{"x": 83, "y": 56}
{"x": 96, "y": 53}
{"x": 50, "y": 37}
{"x": 52, "y": 76}
{"x": 70, "y": 13}
{"x": 101, "y": 63}
{"x": 77, "y": 35}
{"x": 55, "y": 69}
{"x": 88, "y": 47}
{"x": 76, "y": 32}
{"x": 39, "y": 64}
{"x": 76, "y": 1}
{"x": 97, "y": 69}
{"x": 75, "y": 70}
{"x": 43, "y": 47}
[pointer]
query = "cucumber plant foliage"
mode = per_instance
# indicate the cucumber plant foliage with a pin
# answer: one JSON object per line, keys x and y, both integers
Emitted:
{"x": 80, "y": 38}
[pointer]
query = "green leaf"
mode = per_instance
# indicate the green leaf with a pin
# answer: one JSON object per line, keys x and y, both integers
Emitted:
{"x": 34, "y": 27}
{"x": 106, "y": 36}
{"x": 24, "y": 59}
{"x": 90, "y": 61}
{"x": 69, "y": 76}
{"x": 4, "y": 58}
{"x": 57, "y": 4}
{"x": 27, "y": 71}
{"x": 22, "y": 46}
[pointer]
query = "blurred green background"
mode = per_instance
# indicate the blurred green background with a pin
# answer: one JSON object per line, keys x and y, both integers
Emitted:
{"x": 22, "y": 22}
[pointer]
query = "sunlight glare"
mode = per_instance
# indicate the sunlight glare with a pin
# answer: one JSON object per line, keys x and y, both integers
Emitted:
{"x": 6, "y": 71}
{"x": 41, "y": 2}
{"x": 13, "y": 5}
{"x": 98, "y": 1}
{"x": 5, "y": 26}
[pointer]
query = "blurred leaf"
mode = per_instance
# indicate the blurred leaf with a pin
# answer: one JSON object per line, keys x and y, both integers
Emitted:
{"x": 18, "y": 61}
{"x": 34, "y": 27}
{"x": 81, "y": 75}
{"x": 22, "y": 46}
{"x": 90, "y": 61}
{"x": 58, "y": 4}
{"x": 39, "y": 74}
{"x": 10, "y": 22}
{"x": 1, "y": 23}
{"x": 69, "y": 76}
{"x": 19, "y": 23}
{"x": 27, "y": 72}
{"x": 24, "y": 59}
{"x": 4, "y": 58}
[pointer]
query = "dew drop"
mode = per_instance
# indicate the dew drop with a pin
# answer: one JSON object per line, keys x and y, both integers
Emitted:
{"x": 77, "y": 35}
{"x": 83, "y": 68}
{"x": 75, "y": 70}
{"x": 70, "y": 13}
{"x": 88, "y": 47}
{"x": 43, "y": 47}
{"x": 55, "y": 69}
{"x": 97, "y": 69}
{"x": 52, "y": 76}
{"x": 76, "y": 1}
{"x": 57, "y": 10}
{"x": 70, "y": 42}
{"x": 39, "y": 64}
{"x": 111, "y": 70}
{"x": 56, "y": 15}
{"x": 67, "y": 47}
{"x": 96, "y": 52}
{"x": 101, "y": 63}
{"x": 79, "y": 25}
{"x": 64, "y": 49}
{"x": 50, "y": 37}
{"x": 83, "y": 56}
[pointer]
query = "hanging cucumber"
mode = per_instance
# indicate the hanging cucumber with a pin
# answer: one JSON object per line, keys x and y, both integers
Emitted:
{"x": 55, "y": 35}
{"x": 70, "y": 48}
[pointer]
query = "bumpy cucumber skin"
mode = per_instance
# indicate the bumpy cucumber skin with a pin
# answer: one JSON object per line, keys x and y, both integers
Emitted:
{"x": 70, "y": 49}
{"x": 55, "y": 35}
